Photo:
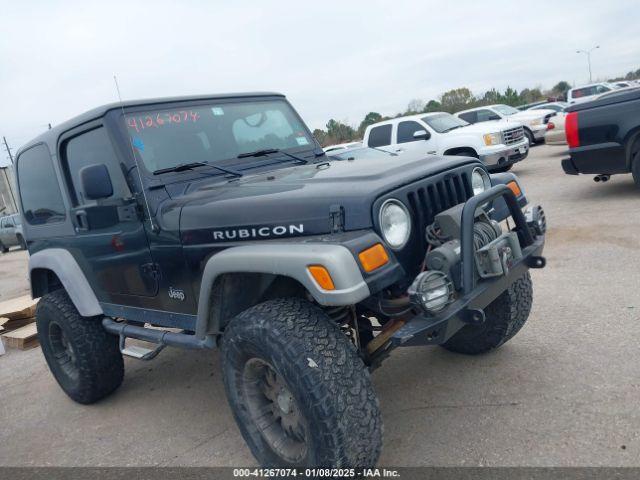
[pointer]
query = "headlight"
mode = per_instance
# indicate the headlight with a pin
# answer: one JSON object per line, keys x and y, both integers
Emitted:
{"x": 395, "y": 223}
{"x": 480, "y": 181}
{"x": 535, "y": 122}
{"x": 492, "y": 138}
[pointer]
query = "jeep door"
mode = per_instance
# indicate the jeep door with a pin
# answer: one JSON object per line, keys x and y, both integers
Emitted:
{"x": 110, "y": 237}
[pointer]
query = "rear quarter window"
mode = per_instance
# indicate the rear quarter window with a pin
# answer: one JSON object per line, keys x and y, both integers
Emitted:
{"x": 380, "y": 136}
{"x": 39, "y": 189}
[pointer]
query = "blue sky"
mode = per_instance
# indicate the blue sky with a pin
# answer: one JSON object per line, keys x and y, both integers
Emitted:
{"x": 332, "y": 59}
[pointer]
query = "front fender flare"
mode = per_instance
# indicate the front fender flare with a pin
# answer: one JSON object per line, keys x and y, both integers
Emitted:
{"x": 62, "y": 263}
{"x": 289, "y": 260}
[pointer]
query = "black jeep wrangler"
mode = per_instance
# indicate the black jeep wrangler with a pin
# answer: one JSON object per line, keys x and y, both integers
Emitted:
{"x": 219, "y": 222}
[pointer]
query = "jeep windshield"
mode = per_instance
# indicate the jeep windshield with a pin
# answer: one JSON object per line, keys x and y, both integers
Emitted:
{"x": 444, "y": 122}
{"x": 223, "y": 132}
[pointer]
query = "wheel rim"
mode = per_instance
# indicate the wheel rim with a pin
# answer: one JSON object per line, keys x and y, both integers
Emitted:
{"x": 274, "y": 411}
{"x": 63, "y": 351}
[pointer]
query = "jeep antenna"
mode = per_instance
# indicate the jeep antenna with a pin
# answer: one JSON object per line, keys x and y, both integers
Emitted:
{"x": 135, "y": 160}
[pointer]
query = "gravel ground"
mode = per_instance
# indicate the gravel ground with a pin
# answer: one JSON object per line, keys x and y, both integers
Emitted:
{"x": 564, "y": 392}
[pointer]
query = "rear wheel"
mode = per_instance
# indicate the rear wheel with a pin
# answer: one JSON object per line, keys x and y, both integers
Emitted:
{"x": 22, "y": 243}
{"x": 505, "y": 316}
{"x": 298, "y": 390}
{"x": 635, "y": 162}
{"x": 84, "y": 358}
{"x": 3, "y": 249}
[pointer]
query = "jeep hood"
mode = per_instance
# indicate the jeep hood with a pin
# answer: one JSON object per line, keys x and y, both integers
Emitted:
{"x": 297, "y": 198}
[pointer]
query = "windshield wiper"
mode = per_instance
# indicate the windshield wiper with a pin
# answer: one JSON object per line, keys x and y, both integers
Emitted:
{"x": 268, "y": 151}
{"x": 451, "y": 128}
{"x": 190, "y": 166}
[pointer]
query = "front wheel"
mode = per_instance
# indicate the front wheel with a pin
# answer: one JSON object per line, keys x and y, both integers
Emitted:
{"x": 22, "y": 242}
{"x": 505, "y": 316}
{"x": 3, "y": 249}
{"x": 301, "y": 395}
{"x": 530, "y": 137}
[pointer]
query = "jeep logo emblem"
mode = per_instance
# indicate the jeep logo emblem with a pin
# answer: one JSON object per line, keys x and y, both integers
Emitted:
{"x": 258, "y": 232}
{"x": 176, "y": 294}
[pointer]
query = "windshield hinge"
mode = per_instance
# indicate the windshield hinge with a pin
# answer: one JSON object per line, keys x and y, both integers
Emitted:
{"x": 336, "y": 219}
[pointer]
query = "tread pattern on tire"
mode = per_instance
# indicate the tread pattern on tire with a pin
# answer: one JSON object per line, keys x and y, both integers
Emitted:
{"x": 98, "y": 358}
{"x": 505, "y": 316}
{"x": 319, "y": 361}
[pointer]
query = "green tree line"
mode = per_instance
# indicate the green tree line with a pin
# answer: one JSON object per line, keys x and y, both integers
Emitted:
{"x": 451, "y": 101}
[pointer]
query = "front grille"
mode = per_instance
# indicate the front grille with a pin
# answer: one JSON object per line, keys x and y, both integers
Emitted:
{"x": 427, "y": 199}
{"x": 512, "y": 135}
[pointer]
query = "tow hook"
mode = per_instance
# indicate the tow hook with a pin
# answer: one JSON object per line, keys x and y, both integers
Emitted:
{"x": 601, "y": 178}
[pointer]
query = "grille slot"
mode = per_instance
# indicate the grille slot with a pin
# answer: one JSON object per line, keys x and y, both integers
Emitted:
{"x": 426, "y": 201}
{"x": 512, "y": 135}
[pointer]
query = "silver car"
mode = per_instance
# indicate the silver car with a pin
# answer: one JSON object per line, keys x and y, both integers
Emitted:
{"x": 11, "y": 233}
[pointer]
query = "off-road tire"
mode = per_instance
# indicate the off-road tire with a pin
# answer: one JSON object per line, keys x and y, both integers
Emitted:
{"x": 635, "y": 162}
{"x": 3, "y": 249}
{"x": 505, "y": 316}
{"x": 530, "y": 137}
{"x": 325, "y": 375}
{"x": 96, "y": 367}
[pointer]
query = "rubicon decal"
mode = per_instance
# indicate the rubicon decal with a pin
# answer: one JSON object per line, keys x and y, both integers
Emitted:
{"x": 258, "y": 232}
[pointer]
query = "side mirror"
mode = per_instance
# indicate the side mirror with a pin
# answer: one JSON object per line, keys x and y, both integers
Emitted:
{"x": 96, "y": 182}
{"x": 421, "y": 135}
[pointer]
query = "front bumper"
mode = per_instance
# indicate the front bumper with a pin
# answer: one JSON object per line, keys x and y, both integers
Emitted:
{"x": 539, "y": 131}
{"x": 505, "y": 156}
{"x": 424, "y": 329}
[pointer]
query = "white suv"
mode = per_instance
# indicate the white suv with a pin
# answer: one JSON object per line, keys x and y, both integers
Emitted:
{"x": 498, "y": 144}
{"x": 534, "y": 121}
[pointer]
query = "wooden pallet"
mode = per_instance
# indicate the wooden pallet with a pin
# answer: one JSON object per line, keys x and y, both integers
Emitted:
{"x": 17, "y": 308}
{"x": 23, "y": 338}
{"x": 7, "y": 325}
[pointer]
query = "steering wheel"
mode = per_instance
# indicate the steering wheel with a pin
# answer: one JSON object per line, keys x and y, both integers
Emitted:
{"x": 262, "y": 117}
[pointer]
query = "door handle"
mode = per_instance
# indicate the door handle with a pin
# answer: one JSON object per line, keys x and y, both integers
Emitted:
{"x": 82, "y": 221}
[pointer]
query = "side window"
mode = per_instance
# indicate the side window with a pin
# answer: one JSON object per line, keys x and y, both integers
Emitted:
{"x": 39, "y": 190}
{"x": 380, "y": 136}
{"x": 91, "y": 148}
{"x": 406, "y": 131}
{"x": 469, "y": 117}
{"x": 485, "y": 115}
{"x": 602, "y": 89}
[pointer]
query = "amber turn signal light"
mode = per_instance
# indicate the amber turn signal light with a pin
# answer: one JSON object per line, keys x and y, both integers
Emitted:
{"x": 373, "y": 257}
{"x": 321, "y": 275}
{"x": 515, "y": 188}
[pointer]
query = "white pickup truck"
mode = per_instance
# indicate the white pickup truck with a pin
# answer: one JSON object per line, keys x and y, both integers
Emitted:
{"x": 498, "y": 144}
{"x": 533, "y": 121}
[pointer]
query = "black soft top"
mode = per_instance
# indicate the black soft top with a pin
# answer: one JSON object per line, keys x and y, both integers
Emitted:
{"x": 50, "y": 137}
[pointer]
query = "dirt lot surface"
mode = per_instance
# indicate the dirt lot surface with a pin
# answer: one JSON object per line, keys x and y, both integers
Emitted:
{"x": 565, "y": 391}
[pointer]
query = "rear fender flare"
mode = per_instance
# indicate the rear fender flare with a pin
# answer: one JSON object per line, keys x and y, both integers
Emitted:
{"x": 64, "y": 266}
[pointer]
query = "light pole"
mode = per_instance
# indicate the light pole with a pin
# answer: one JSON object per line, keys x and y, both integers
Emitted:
{"x": 588, "y": 52}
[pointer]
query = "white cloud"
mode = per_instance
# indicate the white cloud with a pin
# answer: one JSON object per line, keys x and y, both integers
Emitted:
{"x": 332, "y": 59}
